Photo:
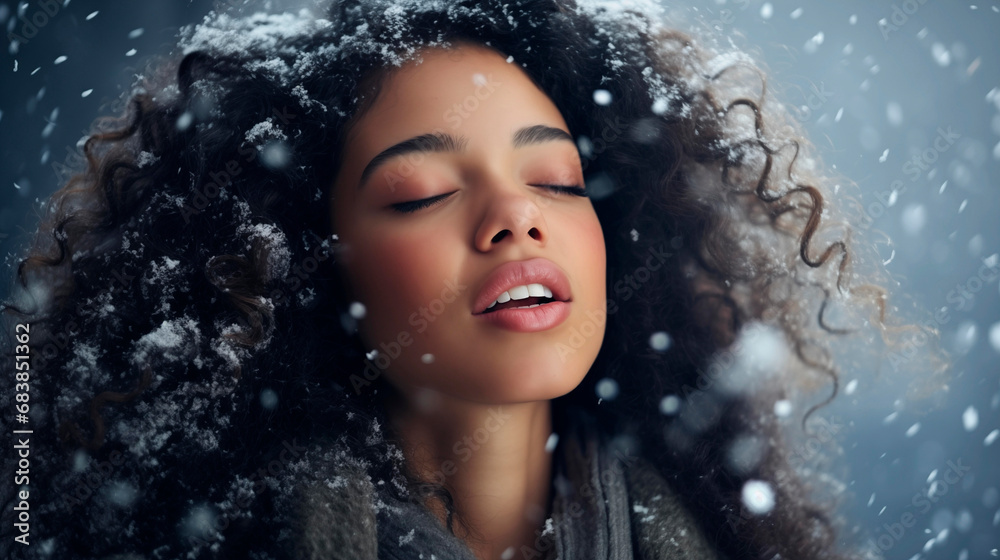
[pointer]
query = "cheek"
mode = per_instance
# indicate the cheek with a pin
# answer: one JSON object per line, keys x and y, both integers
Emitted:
{"x": 396, "y": 275}
{"x": 593, "y": 253}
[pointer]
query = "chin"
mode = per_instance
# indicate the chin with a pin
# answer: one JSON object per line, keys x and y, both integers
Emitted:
{"x": 540, "y": 382}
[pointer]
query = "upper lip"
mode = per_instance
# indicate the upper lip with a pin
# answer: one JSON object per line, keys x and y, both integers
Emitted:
{"x": 521, "y": 273}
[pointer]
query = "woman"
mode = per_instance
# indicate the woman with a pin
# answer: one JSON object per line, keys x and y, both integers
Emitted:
{"x": 275, "y": 315}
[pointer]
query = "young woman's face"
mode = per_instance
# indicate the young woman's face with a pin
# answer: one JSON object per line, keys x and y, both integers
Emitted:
{"x": 426, "y": 276}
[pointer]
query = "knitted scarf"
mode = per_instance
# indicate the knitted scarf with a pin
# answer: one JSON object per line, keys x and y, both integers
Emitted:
{"x": 605, "y": 506}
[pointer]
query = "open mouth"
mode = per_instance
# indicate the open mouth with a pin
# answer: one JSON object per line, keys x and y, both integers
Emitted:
{"x": 526, "y": 303}
{"x": 517, "y": 288}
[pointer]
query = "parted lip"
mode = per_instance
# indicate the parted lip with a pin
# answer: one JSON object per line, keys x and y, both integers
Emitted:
{"x": 538, "y": 270}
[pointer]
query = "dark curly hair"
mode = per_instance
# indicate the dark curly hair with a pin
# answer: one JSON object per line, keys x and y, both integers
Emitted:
{"x": 185, "y": 310}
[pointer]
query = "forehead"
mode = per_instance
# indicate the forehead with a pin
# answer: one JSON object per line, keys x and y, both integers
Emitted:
{"x": 446, "y": 89}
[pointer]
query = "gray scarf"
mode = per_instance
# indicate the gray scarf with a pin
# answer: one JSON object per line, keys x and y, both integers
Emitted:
{"x": 605, "y": 506}
{"x": 590, "y": 514}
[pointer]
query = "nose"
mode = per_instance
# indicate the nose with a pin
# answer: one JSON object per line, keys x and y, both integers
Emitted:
{"x": 511, "y": 218}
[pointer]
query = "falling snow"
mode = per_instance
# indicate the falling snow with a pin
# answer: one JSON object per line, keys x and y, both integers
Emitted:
{"x": 935, "y": 213}
{"x": 659, "y": 341}
{"x": 991, "y": 437}
{"x": 783, "y": 408}
{"x": 970, "y": 418}
{"x": 357, "y": 310}
{"x": 758, "y": 497}
{"x": 607, "y": 389}
{"x": 602, "y": 97}
{"x": 670, "y": 404}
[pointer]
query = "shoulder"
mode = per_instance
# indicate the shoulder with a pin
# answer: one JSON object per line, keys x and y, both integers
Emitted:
{"x": 333, "y": 514}
{"x": 338, "y": 512}
{"x": 663, "y": 528}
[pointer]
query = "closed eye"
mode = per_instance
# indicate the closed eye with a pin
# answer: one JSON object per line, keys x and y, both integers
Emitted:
{"x": 413, "y": 206}
{"x": 408, "y": 207}
{"x": 568, "y": 189}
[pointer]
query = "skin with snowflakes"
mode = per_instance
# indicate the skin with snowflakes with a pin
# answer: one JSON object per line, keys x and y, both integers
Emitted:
{"x": 483, "y": 280}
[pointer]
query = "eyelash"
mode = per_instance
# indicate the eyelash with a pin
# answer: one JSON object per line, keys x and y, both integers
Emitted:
{"x": 410, "y": 207}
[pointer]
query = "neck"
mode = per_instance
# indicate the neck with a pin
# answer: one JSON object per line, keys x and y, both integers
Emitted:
{"x": 491, "y": 458}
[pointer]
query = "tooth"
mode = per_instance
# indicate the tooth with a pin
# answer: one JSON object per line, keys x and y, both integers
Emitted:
{"x": 548, "y": 292}
{"x": 536, "y": 290}
{"x": 518, "y": 292}
{"x": 491, "y": 305}
{"x": 504, "y": 297}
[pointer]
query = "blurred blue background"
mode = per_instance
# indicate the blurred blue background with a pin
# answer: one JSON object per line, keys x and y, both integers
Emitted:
{"x": 898, "y": 96}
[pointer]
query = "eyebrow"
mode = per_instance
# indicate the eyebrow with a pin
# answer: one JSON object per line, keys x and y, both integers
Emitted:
{"x": 444, "y": 142}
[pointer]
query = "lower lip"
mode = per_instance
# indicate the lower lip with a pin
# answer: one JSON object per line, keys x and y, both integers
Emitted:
{"x": 539, "y": 318}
